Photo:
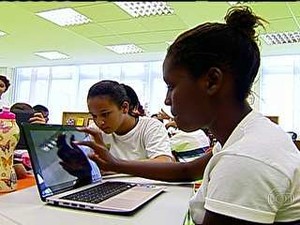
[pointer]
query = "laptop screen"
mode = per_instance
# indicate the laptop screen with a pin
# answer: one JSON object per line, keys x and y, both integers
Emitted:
{"x": 41, "y": 139}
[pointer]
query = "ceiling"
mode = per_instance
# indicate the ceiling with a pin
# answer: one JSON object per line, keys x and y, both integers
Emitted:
{"x": 85, "y": 44}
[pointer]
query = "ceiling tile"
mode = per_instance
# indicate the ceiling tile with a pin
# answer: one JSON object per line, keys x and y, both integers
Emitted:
{"x": 124, "y": 26}
{"x": 157, "y": 23}
{"x": 194, "y": 13}
{"x": 151, "y": 37}
{"x": 104, "y": 12}
{"x": 267, "y": 10}
{"x": 90, "y": 30}
{"x": 295, "y": 7}
{"x": 110, "y": 40}
{"x": 110, "y": 25}
{"x": 49, "y": 5}
{"x": 282, "y": 25}
{"x": 155, "y": 47}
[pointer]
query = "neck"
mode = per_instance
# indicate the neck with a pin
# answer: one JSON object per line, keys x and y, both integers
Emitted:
{"x": 128, "y": 124}
{"x": 227, "y": 120}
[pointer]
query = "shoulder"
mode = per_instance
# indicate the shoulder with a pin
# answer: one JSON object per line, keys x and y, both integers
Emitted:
{"x": 150, "y": 122}
{"x": 248, "y": 188}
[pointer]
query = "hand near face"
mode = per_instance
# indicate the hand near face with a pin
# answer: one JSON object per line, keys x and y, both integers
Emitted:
{"x": 171, "y": 124}
{"x": 37, "y": 118}
{"x": 163, "y": 115}
{"x": 74, "y": 161}
{"x": 101, "y": 155}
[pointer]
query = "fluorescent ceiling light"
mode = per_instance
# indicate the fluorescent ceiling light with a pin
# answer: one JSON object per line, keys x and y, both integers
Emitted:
{"x": 281, "y": 38}
{"x": 235, "y": 3}
{"x": 139, "y": 9}
{"x": 52, "y": 55}
{"x": 2, "y": 33}
{"x": 64, "y": 17}
{"x": 125, "y": 49}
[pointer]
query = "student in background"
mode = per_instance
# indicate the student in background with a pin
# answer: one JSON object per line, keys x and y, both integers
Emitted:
{"x": 255, "y": 177}
{"x": 33, "y": 117}
{"x": 4, "y": 85}
{"x": 126, "y": 134}
{"x": 42, "y": 109}
{"x": 135, "y": 106}
{"x": 24, "y": 113}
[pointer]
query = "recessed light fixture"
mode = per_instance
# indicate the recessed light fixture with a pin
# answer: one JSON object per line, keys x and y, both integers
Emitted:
{"x": 235, "y": 3}
{"x": 281, "y": 38}
{"x": 139, "y": 9}
{"x": 64, "y": 17}
{"x": 125, "y": 49}
{"x": 52, "y": 55}
{"x": 2, "y": 33}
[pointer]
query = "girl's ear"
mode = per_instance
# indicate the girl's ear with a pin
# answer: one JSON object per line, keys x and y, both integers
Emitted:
{"x": 214, "y": 80}
{"x": 125, "y": 107}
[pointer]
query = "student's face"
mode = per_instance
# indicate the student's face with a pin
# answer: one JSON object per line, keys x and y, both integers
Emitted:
{"x": 190, "y": 105}
{"x": 2, "y": 87}
{"x": 106, "y": 114}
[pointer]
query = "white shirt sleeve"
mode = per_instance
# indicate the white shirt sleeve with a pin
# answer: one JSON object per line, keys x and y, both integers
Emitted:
{"x": 246, "y": 189}
{"x": 156, "y": 140}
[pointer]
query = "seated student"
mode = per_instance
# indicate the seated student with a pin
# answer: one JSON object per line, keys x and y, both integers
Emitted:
{"x": 24, "y": 113}
{"x": 4, "y": 85}
{"x": 127, "y": 135}
{"x": 42, "y": 109}
{"x": 255, "y": 177}
{"x": 186, "y": 146}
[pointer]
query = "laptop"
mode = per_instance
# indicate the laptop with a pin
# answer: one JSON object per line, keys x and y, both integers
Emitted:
{"x": 57, "y": 186}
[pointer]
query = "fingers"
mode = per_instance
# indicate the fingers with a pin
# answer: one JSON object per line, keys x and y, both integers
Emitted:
{"x": 37, "y": 118}
{"x": 61, "y": 140}
{"x": 97, "y": 160}
{"x": 72, "y": 139}
{"x": 98, "y": 148}
{"x": 96, "y": 134}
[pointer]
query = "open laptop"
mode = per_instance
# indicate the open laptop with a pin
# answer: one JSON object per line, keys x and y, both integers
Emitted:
{"x": 57, "y": 186}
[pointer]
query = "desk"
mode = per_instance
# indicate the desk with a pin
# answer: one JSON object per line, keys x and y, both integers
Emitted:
{"x": 24, "y": 207}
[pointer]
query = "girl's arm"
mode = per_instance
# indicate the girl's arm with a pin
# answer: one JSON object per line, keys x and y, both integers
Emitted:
{"x": 164, "y": 171}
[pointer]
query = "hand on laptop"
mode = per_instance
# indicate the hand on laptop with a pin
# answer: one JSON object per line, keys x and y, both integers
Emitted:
{"x": 101, "y": 155}
{"x": 74, "y": 161}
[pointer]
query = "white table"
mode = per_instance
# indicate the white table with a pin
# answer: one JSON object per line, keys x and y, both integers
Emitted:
{"x": 24, "y": 207}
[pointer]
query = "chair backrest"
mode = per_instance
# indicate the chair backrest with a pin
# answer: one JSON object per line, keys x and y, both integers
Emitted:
{"x": 189, "y": 146}
{"x": 189, "y": 155}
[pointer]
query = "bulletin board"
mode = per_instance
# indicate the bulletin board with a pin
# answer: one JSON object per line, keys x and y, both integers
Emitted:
{"x": 77, "y": 118}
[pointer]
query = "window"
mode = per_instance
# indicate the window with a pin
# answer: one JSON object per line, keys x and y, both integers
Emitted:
{"x": 65, "y": 88}
{"x": 279, "y": 95}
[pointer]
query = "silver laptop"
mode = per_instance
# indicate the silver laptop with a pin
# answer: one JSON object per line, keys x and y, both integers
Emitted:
{"x": 58, "y": 187}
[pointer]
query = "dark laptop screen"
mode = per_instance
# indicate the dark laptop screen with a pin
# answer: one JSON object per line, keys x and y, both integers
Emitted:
{"x": 41, "y": 140}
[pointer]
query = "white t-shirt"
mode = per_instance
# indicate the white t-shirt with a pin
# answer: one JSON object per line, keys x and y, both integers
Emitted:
{"x": 147, "y": 140}
{"x": 255, "y": 177}
{"x": 189, "y": 140}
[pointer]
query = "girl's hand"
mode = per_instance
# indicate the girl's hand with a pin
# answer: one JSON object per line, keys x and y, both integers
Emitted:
{"x": 101, "y": 155}
{"x": 37, "y": 118}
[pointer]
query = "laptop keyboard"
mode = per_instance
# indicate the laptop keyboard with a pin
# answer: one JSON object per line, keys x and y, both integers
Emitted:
{"x": 100, "y": 192}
